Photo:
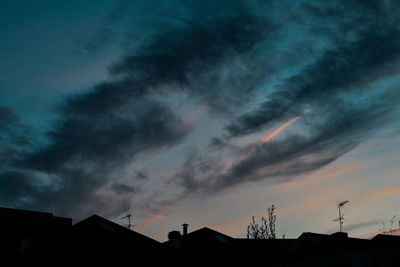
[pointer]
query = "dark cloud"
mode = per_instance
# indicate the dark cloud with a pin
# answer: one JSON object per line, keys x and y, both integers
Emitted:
{"x": 334, "y": 130}
{"x": 196, "y": 171}
{"x": 107, "y": 137}
{"x": 17, "y": 188}
{"x": 14, "y": 140}
{"x": 107, "y": 32}
{"x": 196, "y": 58}
{"x": 337, "y": 131}
{"x": 87, "y": 149}
{"x": 347, "y": 70}
{"x": 331, "y": 58}
{"x": 7, "y": 118}
{"x": 101, "y": 131}
{"x": 349, "y": 93}
{"x": 122, "y": 188}
{"x": 217, "y": 142}
{"x": 368, "y": 51}
{"x": 220, "y": 45}
{"x": 141, "y": 175}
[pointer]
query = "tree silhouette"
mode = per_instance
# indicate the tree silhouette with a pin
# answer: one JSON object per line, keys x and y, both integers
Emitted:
{"x": 264, "y": 230}
{"x": 388, "y": 230}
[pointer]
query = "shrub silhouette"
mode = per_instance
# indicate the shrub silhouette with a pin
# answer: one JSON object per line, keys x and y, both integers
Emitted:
{"x": 264, "y": 230}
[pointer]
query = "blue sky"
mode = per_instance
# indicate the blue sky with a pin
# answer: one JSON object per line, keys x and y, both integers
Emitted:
{"x": 161, "y": 109}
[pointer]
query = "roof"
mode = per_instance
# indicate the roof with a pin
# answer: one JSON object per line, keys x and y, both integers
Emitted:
{"x": 9, "y": 215}
{"x": 209, "y": 234}
{"x": 203, "y": 238}
{"x": 391, "y": 232}
{"x": 312, "y": 245}
{"x": 100, "y": 226}
{"x": 21, "y": 230}
{"x": 98, "y": 240}
{"x": 384, "y": 240}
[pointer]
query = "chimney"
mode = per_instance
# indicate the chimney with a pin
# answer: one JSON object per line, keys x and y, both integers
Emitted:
{"x": 185, "y": 228}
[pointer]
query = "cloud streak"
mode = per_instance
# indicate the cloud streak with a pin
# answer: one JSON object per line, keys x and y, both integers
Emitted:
{"x": 277, "y": 131}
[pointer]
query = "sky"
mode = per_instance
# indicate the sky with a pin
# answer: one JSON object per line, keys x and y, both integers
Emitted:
{"x": 203, "y": 112}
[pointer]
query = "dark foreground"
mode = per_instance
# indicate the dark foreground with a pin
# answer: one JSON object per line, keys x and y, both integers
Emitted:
{"x": 40, "y": 238}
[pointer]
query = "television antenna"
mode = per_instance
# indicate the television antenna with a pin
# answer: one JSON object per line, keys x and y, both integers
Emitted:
{"x": 129, "y": 220}
{"x": 341, "y": 217}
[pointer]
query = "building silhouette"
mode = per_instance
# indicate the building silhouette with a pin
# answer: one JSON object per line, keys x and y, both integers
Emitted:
{"x": 23, "y": 230}
{"x": 29, "y": 237}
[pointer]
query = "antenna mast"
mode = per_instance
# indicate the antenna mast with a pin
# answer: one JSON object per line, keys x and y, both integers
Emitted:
{"x": 129, "y": 220}
{"x": 341, "y": 218}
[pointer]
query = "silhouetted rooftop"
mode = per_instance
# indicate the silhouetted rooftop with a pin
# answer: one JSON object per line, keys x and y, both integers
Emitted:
{"x": 21, "y": 230}
{"x": 98, "y": 225}
{"x": 203, "y": 238}
{"x": 96, "y": 240}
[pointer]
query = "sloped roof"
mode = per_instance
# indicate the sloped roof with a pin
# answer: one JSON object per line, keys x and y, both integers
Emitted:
{"x": 395, "y": 232}
{"x": 203, "y": 238}
{"x": 310, "y": 245}
{"x": 99, "y": 225}
{"x": 209, "y": 234}
{"x": 29, "y": 217}
{"x": 384, "y": 240}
